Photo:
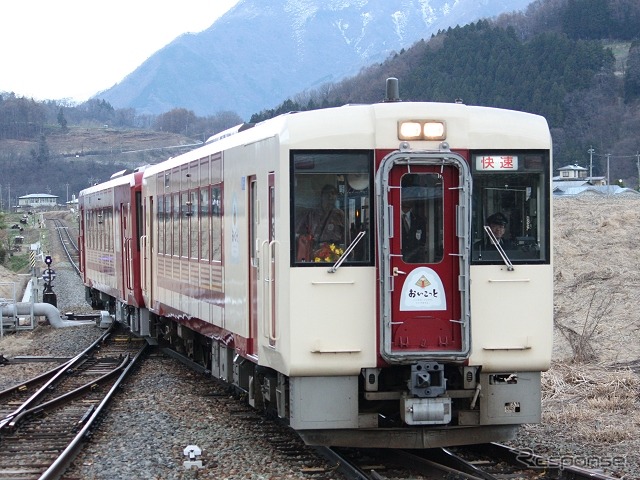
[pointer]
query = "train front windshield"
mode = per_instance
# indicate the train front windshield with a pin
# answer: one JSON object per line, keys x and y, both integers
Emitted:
{"x": 510, "y": 207}
{"x": 331, "y": 205}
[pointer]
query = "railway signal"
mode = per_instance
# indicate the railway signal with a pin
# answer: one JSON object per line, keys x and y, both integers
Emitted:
{"x": 48, "y": 276}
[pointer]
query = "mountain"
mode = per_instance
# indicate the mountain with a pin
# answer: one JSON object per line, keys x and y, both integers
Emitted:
{"x": 260, "y": 53}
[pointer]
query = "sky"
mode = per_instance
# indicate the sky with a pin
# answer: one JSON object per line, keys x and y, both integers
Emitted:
{"x": 73, "y": 49}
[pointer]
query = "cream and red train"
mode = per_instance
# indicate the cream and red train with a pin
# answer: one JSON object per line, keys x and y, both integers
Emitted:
{"x": 352, "y": 340}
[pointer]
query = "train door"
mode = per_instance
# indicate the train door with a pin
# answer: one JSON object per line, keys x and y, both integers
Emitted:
{"x": 127, "y": 258}
{"x": 252, "y": 347}
{"x": 424, "y": 225}
{"x": 270, "y": 266}
{"x": 81, "y": 239}
{"x": 146, "y": 247}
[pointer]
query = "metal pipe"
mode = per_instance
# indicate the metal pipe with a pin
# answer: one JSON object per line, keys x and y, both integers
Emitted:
{"x": 39, "y": 309}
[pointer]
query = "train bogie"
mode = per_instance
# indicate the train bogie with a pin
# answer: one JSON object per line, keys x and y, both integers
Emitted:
{"x": 340, "y": 267}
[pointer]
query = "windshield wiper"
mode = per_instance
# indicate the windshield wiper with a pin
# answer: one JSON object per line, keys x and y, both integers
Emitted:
{"x": 346, "y": 253}
{"x": 501, "y": 251}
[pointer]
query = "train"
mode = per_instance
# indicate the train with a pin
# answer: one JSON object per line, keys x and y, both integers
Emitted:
{"x": 338, "y": 268}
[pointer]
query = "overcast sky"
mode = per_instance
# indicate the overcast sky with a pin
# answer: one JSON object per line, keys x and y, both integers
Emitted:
{"x": 72, "y": 49}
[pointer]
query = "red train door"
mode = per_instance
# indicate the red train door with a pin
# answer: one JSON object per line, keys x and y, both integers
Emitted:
{"x": 423, "y": 237}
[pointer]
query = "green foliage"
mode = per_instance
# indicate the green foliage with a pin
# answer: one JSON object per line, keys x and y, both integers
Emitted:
{"x": 632, "y": 73}
{"x": 18, "y": 263}
{"x": 587, "y": 19}
{"x": 598, "y": 19}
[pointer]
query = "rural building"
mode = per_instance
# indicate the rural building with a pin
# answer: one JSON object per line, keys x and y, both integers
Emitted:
{"x": 37, "y": 201}
{"x": 573, "y": 180}
{"x": 573, "y": 173}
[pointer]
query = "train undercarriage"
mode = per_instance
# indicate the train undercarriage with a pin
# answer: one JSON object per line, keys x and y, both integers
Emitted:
{"x": 424, "y": 405}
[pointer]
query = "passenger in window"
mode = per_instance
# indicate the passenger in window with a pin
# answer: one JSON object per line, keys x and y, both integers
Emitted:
{"x": 414, "y": 235}
{"x": 498, "y": 225}
{"x": 321, "y": 225}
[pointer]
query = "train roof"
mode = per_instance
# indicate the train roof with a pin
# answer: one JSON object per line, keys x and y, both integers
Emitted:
{"x": 363, "y": 126}
{"x": 123, "y": 177}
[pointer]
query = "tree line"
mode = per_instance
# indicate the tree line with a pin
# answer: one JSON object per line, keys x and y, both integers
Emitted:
{"x": 24, "y": 118}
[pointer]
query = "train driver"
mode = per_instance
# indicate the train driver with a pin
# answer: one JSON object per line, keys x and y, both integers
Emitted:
{"x": 498, "y": 225}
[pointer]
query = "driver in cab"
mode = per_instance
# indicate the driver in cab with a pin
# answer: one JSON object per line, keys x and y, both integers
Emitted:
{"x": 498, "y": 225}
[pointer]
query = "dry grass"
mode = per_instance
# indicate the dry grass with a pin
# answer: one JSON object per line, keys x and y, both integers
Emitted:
{"x": 591, "y": 394}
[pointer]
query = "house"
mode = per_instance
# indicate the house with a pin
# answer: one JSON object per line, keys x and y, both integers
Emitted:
{"x": 37, "y": 201}
{"x": 573, "y": 180}
{"x": 573, "y": 173}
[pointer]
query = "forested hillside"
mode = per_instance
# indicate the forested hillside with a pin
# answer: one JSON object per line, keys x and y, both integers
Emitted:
{"x": 555, "y": 59}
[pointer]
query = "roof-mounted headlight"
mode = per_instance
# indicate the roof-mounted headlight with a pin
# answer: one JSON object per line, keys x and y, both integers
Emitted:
{"x": 409, "y": 131}
{"x": 421, "y": 130}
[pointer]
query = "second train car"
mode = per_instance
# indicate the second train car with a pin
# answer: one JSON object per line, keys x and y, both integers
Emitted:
{"x": 340, "y": 266}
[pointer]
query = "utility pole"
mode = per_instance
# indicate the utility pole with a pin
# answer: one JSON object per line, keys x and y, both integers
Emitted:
{"x": 608, "y": 182}
{"x": 591, "y": 151}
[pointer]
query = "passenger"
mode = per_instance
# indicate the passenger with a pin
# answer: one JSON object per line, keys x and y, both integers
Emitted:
{"x": 325, "y": 224}
{"x": 414, "y": 235}
{"x": 498, "y": 225}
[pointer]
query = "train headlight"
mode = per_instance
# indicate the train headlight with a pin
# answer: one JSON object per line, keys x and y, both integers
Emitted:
{"x": 409, "y": 131}
{"x": 421, "y": 130}
{"x": 434, "y": 131}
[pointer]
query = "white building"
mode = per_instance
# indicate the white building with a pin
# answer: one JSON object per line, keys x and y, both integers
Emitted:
{"x": 573, "y": 173}
{"x": 37, "y": 200}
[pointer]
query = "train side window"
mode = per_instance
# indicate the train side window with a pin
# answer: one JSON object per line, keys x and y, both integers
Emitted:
{"x": 160, "y": 223}
{"x": 204, "y": 223}
{"x": 185, "y": 215}
{"x": 194, "y": 221}
{"x": 510, "y": 198}
{"x": 175, "y": 221}
{"x": 331, "y": 205}
{"x": 216, "y": 223}
{"x": 164, "y": 224}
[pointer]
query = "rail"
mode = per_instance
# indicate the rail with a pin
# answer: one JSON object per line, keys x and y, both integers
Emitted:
{"x": 53, "y": 423}
{"x": 60, "y": 227}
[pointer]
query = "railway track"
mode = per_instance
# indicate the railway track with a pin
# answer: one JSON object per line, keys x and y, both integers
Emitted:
{"x": 68, "y": 244}
{"x": 476, "y": 462}
{"x": 46, "y": 420}
{"x": 490, "y": 461}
